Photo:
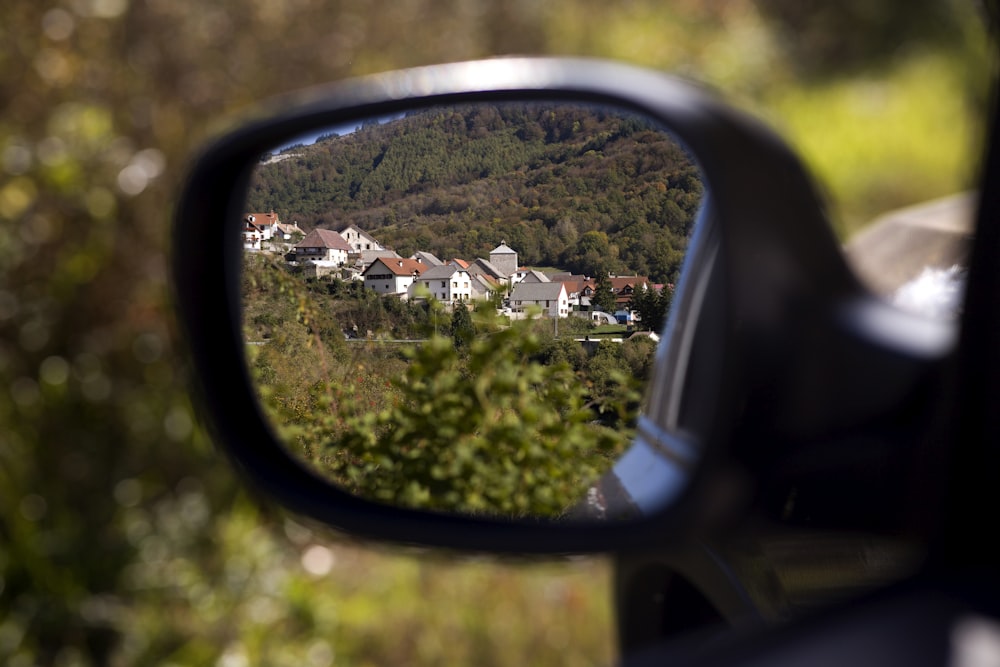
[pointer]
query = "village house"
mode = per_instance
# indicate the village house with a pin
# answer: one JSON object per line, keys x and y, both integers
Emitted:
{"x": 265, "y": 231}
{"x": 623, "y": 287}
{"x": 287, "y": 232}
{"x": 322, "y": 245}
{"x": 392, "y": 276}
{"x": 484, "y": 286}
{"x": 485, "y": 268}
{"x": 427, "y": 258}
{"x": 575, "y": 285}
{"x": 448, "y": 283}
{"x": 359, "y": 240}
{"x": 257, "y": 229}
{"x": 367, "y": 257}
{"x": 533, "y": 276}
{"x": 550, "y": 297}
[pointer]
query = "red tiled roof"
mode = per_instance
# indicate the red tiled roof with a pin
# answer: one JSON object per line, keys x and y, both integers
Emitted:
{"x": 323, "y": 238}
{"x": 400, "y": 267}
{"x": 262, "y": 218}
{"x": 620, "y": 282}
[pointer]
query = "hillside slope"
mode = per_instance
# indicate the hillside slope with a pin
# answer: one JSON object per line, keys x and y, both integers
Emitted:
{"x": 578, "y": 187}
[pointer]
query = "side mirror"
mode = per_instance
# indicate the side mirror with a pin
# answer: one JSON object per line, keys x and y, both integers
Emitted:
{"x": 351, "y": 382}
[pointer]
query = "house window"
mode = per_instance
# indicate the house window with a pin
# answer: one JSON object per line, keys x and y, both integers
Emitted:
{"x": 444, "y": 283}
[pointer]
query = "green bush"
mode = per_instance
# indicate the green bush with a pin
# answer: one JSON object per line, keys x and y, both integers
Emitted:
{"x": 482, "y": 428}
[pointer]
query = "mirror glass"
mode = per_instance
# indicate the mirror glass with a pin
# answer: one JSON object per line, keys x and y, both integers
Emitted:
{"x": 457, "y": 308}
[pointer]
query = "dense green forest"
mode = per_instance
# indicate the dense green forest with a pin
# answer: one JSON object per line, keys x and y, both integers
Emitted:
{"x": 584, "y": 188}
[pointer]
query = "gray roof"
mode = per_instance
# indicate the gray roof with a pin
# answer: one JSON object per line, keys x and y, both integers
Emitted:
{"x": 427, "y": 258}
{"x": 536, "y": 276}
{"x": 536, "y": 291}
{"x": 440, "y": 272}
{"x": 369, "y": 256}
{"x": 481, "y": 285}
{"x": 503, "y": 249}
{"x": 485, "y": 266}
{"x": 566, "y": 277}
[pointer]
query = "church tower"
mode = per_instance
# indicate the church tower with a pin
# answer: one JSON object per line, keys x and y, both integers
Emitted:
{"x": 504, "y": 259}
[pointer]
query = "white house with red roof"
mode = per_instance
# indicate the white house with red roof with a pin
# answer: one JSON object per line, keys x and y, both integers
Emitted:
{"x": 322, "y": 245}
{"x": 392, "y": 275}
{"x": 258, "y": 229}
{"x": 286, "y": 231}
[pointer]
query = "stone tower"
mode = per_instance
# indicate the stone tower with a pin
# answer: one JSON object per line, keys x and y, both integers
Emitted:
{"x": 504, "y": 259}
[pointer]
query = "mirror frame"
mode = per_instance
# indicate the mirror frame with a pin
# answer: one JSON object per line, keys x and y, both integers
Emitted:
{"x": 763, "y": 241}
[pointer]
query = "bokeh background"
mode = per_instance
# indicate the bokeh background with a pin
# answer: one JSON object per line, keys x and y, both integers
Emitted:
{"x": 125, "y": 538}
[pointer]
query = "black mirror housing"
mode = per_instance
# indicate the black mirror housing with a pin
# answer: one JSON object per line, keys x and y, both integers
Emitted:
{"x": 763, "y": 282}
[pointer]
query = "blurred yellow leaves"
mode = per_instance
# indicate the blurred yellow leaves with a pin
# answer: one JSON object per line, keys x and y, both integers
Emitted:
{"x": 58, "y": 24}
{"x": 54, "y": 66}
{"x": 16, "y": 196}
{"x": 86, "y": 126}
{"x": 887, "y": 141}
{"x": 102, "y": 9}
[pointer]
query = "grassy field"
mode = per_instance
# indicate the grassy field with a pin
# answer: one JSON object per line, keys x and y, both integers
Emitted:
{"x": 610, "y": 330}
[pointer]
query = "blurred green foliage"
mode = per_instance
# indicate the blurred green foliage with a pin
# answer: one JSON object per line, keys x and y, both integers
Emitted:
{"x": 126, "y": 538}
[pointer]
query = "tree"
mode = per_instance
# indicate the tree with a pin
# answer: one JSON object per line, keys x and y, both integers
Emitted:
{"x": 592, "y": 255}
{"x": 652, "y": 307}
{"x": 604, "y": 298}
{"x": 491, "y": 430}
{"x": 462, "y": 330}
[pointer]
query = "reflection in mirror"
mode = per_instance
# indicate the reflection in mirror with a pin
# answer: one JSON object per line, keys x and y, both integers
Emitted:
{"x": 457, "y": 308}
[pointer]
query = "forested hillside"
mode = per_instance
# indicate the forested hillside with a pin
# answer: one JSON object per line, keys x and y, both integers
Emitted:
{"x": 581, "y": 188}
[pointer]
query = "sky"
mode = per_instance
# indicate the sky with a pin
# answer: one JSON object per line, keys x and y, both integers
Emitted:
{"x": 310, "y": 137}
